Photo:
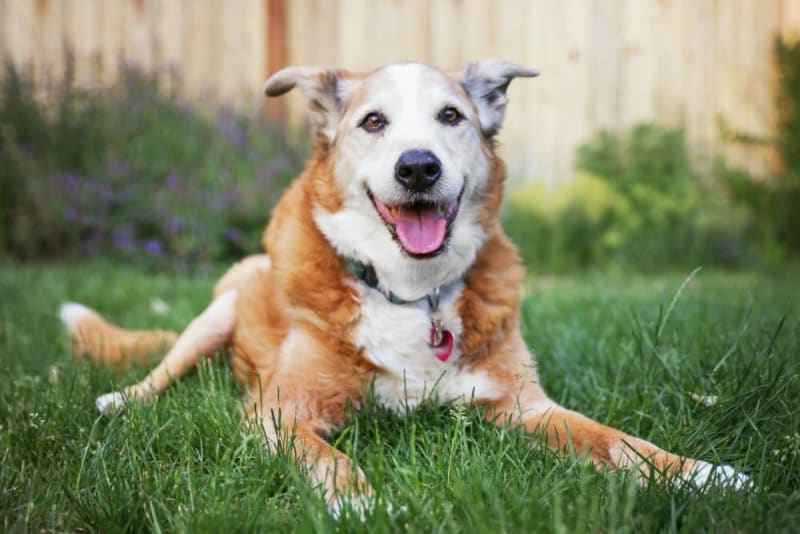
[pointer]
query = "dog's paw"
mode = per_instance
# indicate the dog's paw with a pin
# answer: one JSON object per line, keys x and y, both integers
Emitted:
{"x": 362, "y": 506}
{"x": 705, "y": 476}
{"x": 72, "y": 313}
{"x": 110, "y": 402}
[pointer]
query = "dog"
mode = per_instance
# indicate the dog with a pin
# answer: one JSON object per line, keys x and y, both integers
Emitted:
{"x": 387, "y": 274}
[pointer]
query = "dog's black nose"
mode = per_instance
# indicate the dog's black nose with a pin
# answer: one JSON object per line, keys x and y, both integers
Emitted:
{"x": 417, "y": 170}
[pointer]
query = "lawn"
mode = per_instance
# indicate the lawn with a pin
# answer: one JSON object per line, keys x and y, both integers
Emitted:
{"x": 611, "y": 346}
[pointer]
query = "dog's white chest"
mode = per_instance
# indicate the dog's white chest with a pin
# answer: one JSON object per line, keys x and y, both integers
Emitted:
{"x": 396, "y": 339}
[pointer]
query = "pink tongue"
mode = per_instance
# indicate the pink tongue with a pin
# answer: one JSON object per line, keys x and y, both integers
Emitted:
{"x": 420, "y": 231}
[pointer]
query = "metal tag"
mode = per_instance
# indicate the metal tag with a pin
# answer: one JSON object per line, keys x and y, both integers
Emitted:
{"x": 438, "y": 329}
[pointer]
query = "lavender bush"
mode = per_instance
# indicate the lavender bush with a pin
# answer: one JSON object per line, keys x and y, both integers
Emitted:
{"x": 133, "y": 172}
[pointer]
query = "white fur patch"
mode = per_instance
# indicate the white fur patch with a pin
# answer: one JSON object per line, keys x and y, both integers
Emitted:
{"x": 110, "y": 402}
{"x": 705, "y": 476}
{"x": 361, "y": 505}
{"x": 72, "y": 313}
{"x": 395, "y": 338}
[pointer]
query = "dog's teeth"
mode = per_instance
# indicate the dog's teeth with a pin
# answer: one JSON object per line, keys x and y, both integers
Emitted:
{"x": 393, "y": 211}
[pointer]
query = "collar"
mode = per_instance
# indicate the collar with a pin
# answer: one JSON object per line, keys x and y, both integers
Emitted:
{"x": 366, "y": 273}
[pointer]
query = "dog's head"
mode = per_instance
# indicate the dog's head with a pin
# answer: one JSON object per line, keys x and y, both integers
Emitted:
{"x": 411, "y": 157}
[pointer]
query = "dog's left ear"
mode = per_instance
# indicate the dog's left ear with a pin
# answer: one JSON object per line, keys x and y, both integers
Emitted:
{"x": 486, "y": 83}
{"x": 326, "y": 90}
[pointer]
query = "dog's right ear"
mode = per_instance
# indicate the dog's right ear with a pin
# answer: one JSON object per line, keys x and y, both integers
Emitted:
{"x": 486, "y": 83}
{"x": 326, "y": 89}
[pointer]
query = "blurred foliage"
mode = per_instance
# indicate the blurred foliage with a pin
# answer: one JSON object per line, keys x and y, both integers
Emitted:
{"x": 636, "y": 202}
{"x": 133, "y": 172}
{"x": 787, "y": 55}
{"x": 775, "y": 201}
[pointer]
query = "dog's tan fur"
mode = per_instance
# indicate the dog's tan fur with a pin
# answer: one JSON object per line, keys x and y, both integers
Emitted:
{"x": 290, "y": 320}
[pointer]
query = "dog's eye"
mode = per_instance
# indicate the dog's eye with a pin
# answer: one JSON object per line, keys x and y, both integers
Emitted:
{"x": 450, "y": 115}
{"x": 374, "y": 122}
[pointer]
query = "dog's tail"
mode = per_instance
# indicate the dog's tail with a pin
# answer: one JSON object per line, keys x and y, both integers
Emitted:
{"x": 103, "y": 342}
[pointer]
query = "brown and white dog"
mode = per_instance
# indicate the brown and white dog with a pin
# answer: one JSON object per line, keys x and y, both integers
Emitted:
{"x": 388, "y": 271}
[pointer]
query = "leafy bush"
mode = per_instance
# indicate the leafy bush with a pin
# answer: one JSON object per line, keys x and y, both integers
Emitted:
{"x": 775, "y": 201}
{"x": 132, "y": 171}
{"x": 566, "y": 228}
{"x": 651, "y": 170}
{"x": 635, "y": 203}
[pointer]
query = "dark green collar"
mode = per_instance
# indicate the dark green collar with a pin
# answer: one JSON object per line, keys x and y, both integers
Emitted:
{"x": 366, "y": 273}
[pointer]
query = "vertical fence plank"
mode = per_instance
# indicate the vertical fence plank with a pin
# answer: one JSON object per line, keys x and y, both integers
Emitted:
{"x": 478, "y": 30}
{"x": 167, "y": 31}
{"x": 252, "y": 53}
{"x": 5, "y": 38}
{"x": 636, "y": 66}
{"x": 699, "y": 82}
{"x": 604, "y": 34}
{"x": 790, "y": 18}
{"x": 356, "y": 35}
{"x": 446, "y": 33}
{"x": 575, "y": 88}
{"x": 745, "y": 45}
{"x": 18, "y": 27}
{"x": 313, "y": 40}
{"x": 48, "y": 41}
{"x": 201, "y": 48}
{"x": 81, "y": 39}
{"x": 668, "y": 64}
{"x": 537, "y": 104}
{"x": 510, "y": 44}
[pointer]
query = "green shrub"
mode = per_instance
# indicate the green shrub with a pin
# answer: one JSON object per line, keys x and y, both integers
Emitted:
{"x": 774, "y": 201}
{"x": 132, "y": 171}
{"x": 571, "y": 227}
{"x": 636, "y": 203}
{"x": 787, "y": 55}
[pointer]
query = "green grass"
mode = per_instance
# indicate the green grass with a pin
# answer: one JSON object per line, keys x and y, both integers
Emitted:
{"x": 604, "y": 345}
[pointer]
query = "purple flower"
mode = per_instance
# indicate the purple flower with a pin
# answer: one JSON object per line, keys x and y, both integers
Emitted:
{"x": 127, "y": 194}
{"x": 68, "y": 180}
{"x": 232, "y": 196}
{"x": 186, "y": 108}
{"x": 123, "y": 238}
{"x": 153, "y": 247}
{"x": 234, "y": 235}
{"x": 235, "y": 133}
{"x": 92, "y": 244}
{"x": 70, "y": 214}
{"x": 105, "y": 192}
{"x": 268, "y": 174}
{"x": 119, "y": 168}
{"x": 173, "y": 181}
{"x": 174, "y": 226}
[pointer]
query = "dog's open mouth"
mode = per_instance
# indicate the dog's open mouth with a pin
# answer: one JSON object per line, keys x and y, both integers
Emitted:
{"x": 421, "y": 227}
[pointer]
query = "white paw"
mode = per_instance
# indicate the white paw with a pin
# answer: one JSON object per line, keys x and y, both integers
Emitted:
{"x": 72, "y": 313}
{"x": 705, "y": 475}
{"x": 110, "y": 402}
{"x": 360, "y": 505}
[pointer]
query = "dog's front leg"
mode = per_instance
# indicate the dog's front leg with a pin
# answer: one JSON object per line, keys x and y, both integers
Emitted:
{"x": 564, "y": 429}
{"x": 342, "y": 483}
{"x": 208, "y": 332}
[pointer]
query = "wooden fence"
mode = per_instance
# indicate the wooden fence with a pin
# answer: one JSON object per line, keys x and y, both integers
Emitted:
{"x": 606, "y": 64}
